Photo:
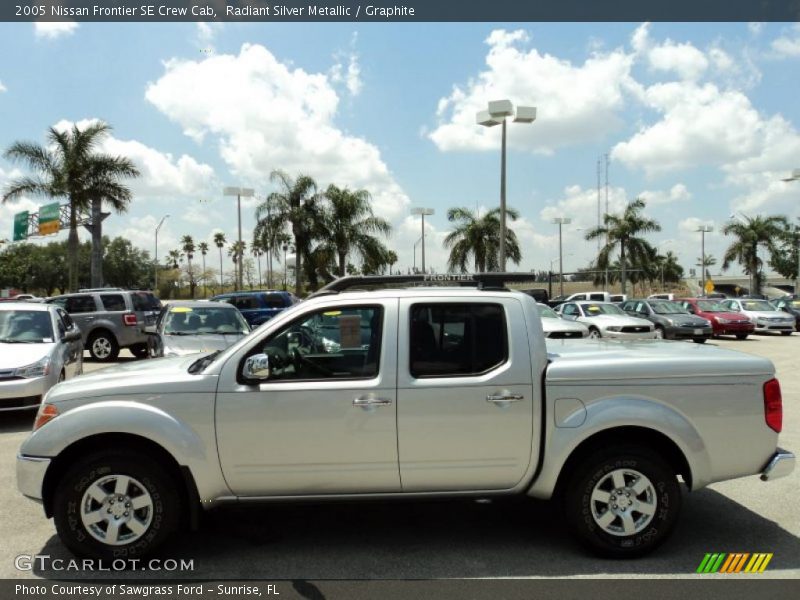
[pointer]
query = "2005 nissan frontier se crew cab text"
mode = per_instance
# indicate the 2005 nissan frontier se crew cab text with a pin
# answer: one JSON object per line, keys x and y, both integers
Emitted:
{"x": 367, "y": 390}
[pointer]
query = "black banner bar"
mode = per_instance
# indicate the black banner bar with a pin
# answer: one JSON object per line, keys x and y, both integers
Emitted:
{"x": 399, "y": 10}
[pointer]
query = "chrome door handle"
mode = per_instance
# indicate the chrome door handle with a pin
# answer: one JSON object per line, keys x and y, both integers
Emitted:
{"x": 505, "y": 398}
{"x": 366, "y": 401}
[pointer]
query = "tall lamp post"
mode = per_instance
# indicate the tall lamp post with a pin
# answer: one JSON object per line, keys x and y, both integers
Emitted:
{"x": 155, "y": 267}
{"x": 415, "y": 253}
{"x": 422, "y": 212}
{"x": 240, "y": 193}
{"x": 704, "y": 229}
{"x": 795, "y": 176}
{"x": 560, "y": 221}
{"x": 497, "y": 113}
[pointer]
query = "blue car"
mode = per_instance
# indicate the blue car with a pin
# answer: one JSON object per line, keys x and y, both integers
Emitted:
{"x": 259, "y": 306}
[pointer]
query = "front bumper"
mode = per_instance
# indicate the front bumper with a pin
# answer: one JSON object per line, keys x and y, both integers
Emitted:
{"x": 30, "y": 475}
{"x": 681, "y": 332}
{"x": 20, "y": 394}
{"x": 733, "y": 328}
{"x": 624, "y": 335}
{"x": 780, "y": 465}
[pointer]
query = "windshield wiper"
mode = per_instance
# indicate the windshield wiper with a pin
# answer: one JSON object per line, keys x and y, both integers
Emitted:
{"x": 182, "y": 333}
{"x": 202, "y": 363}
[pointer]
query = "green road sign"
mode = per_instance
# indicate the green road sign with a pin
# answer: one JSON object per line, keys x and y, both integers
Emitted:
{"x": 49, "y": 218}
{"x": 21, "y": 226}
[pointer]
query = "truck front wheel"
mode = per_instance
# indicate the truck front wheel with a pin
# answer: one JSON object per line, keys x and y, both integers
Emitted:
{"x": 111, "y": 506}
{"x": 623, "y": 502}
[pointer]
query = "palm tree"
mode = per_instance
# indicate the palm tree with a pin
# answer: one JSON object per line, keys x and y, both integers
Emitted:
{"x": 749, "y": 235}
{"x": 621, "y": 232}
{"x": 351, "y": 224}
{"x": 391, "y": 259}
{"x": 479, "y": 237}
{"x": 293, "y": 206}
{"x": 257, "y": 251}
{"x": 219, "y": 242}
{"x": 69, "y": 167}
{"x": 704, "y": 262}
{"x": 187, "y": 245}
{"x": 235, "y": 251}
{"x": 203, "y": 247}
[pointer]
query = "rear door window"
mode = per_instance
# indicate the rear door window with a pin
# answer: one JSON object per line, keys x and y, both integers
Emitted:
{"x": 456, "y": 340}
{"x": 145, "y": 301}
{"x": 113, "y": 302}
{"x": 243, "y": 302}
{"x": 275, "y": 300}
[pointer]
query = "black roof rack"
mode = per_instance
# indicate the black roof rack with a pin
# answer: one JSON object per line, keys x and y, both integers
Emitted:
{"x": 485, "y": 281}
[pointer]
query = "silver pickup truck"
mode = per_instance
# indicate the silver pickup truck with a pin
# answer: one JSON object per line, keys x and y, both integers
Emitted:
{"x": 399, "y": 393}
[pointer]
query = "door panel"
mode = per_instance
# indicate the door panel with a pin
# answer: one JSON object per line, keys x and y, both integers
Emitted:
{"x": 466, "y": 432}
{"x": 324, "y": 436}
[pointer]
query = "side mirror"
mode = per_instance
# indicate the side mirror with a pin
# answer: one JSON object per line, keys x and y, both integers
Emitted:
{"x": 256, "y": 367}
{"x": 72, "y": 336}
{"x": 150, "y": 330}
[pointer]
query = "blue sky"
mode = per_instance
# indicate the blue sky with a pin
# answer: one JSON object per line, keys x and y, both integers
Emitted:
{"x": 699, "y": 119}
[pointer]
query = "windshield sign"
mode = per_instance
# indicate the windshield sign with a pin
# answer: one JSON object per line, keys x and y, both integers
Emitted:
{"x": 601, "y": 308}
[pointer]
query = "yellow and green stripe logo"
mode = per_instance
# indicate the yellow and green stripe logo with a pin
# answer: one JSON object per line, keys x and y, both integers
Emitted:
{"x": 736, "y": 562}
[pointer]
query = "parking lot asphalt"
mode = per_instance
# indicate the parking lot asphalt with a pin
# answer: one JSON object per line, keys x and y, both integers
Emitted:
{"x": 445, "y": 539}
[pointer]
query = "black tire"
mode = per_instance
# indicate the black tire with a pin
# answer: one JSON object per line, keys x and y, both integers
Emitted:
{"x": 103, "y": 339}
{"x": 786, "y": 333}
{"x": 660, "y": 333}
{"x": 700, "y": 340}
{"x": 742, "y": 336}
{"x": 140, "y": 350}
{"x": 72, "y": 487}
{"x": 594, "y": 470}
{"x": 594, "y": 333}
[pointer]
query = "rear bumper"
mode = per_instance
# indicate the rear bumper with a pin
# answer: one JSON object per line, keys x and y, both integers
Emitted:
{"x": 30, "y": 475}
{"x": 780, "y": 465}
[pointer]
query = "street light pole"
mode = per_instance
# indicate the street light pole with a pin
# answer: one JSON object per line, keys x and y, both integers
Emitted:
{"x": 795, "y": 176}
{"x": 240, "y": 193}
{"x": 155, "y": 269}
{"x": 703, "y": 229}
{"x": 422, "y": 212}
{"x": 415, "y": 253}
{"x": 561, "y": 221}
{"x": 496, "y": 115}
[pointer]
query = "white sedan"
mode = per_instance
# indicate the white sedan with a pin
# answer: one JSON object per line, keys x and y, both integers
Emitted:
{"x": 556, "y": 327}
{"x": 607, "y": 320}
{"x": 762, "y": 314}
{"x": 40, "y": 345}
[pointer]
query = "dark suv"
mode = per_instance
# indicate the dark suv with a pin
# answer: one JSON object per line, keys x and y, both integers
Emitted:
{"x": 260, "y": 306}
{"x": 111, "y": 319}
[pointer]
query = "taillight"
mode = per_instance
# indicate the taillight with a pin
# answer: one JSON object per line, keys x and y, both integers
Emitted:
{"x": 129, "y": 319}
{"x": 773, "y": 405}
{"x": 47, "y": 412}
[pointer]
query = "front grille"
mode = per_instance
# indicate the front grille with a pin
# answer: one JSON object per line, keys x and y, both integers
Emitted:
{"x": 635, "y": 329}
{"x": 22, "y": 402}
{"x": 564, "y": 334}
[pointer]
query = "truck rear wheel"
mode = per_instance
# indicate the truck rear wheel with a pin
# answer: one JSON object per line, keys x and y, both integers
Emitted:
{"x": 623, "y": 502}
{"x": 115, "y": 505}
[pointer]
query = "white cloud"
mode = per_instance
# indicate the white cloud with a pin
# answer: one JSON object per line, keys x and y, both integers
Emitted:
{"x": 575, "y": 102}
{"x": 267, "y": 115}
{"x": 755, "y": 28}
{"x": 690, "y": 225}
{"x": 788, "y": 45}
{"x": 54, "y": 30}
{"x": 347, "y": 69}
{"x": 700, "y": 125}
{"x": 677, "y": 193}
{"x": 161, "y": 173}
{"x": 683, "y": 59}
{"x": 2, "y": 87}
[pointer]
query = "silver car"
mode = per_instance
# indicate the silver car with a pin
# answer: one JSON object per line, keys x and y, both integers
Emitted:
{"x": 40, "y": 345}
{"x": 607, "y": 320}
{"x": 197, "y": 326}
{"x": 762, "y": 314}
{"x": 557, "y": 328}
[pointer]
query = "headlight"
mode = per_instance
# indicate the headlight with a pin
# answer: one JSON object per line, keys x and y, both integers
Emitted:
{"x": 614, "y": 328}
{"x": 37, "y": 369}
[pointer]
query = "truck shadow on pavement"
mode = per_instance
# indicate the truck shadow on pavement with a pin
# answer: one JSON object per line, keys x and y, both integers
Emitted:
{"x": 445, "y": 539}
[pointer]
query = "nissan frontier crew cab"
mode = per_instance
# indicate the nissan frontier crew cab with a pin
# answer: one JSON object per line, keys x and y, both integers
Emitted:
{"x": 367, "y": 392}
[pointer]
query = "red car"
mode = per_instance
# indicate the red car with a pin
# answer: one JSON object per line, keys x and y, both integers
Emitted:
{"x": 723, "y": 321}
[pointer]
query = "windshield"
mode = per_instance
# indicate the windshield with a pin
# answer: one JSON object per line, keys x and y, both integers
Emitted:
{"x": 710, "y": 306}
{"x": 593, "y": 309}
{"x": 547, "y": 313}
{"x": 665, "y": 307}
{"x": 757, "y": 305}
{"x": 215, "y": 319}
{"x": 26, "y": 327}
